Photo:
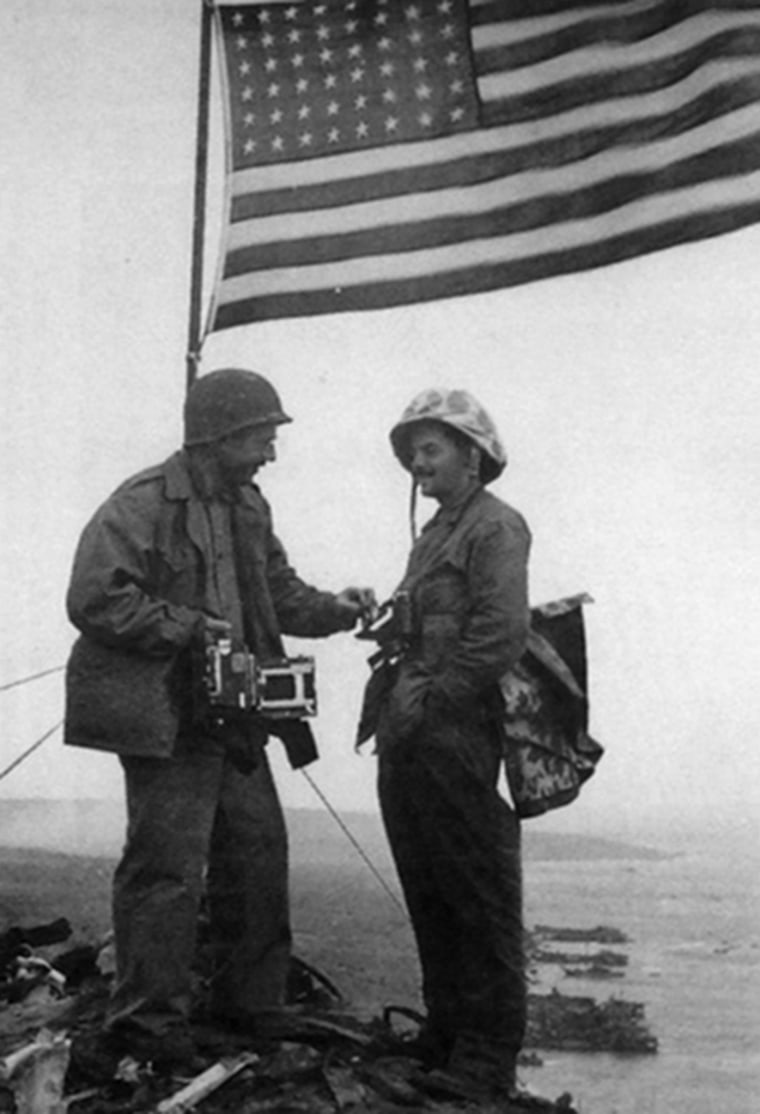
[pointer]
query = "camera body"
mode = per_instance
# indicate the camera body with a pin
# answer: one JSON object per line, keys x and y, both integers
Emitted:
{"x": 391, "y": 628}
{"x": 234, "y": 679}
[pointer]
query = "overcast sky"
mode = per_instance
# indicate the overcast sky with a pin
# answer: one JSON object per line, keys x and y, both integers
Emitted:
{"x": 627, "y": 398}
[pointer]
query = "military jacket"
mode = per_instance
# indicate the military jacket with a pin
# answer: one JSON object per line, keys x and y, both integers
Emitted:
{"x": 467, "y": 582}
{"x": 152, "y": 562}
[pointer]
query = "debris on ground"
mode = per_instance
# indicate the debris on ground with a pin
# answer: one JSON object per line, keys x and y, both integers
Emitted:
{"x": 205, "y": 1084}
{"x": 320, "y": 1060}
{"x": 16, "y": 939}
{"x": 36, "y": 1073}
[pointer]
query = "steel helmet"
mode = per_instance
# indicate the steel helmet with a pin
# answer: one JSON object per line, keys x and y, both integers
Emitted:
{"x": 228, "y": 400}
{"x": 459, "y": 410}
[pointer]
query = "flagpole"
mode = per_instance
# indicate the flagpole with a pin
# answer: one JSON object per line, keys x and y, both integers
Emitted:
{"x": 199, "y": 217}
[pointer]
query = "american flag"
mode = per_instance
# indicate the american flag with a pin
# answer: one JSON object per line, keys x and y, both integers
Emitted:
{"x": 383, "y": 152}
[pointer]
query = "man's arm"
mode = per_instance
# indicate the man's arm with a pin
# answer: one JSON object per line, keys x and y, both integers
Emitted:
{"x": 111, "y": 596}
{"x": 496, "y": 630}
{"x": 305, "y": 611}
{"x": 492, "y": 640}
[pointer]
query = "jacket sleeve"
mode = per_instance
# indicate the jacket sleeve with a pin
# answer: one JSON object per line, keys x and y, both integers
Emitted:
{"x": 111, "y": 593}
{"x": 495, "y": 630}
{"x": 302, "y": 610}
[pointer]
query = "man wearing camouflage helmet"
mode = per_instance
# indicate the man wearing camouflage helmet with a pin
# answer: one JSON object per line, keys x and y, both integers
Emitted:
{"x": 180, "y": 552}
{"x": 436, "y": 719}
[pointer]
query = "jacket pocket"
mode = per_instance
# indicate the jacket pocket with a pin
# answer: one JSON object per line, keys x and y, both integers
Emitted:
{"x": 443, "y": 591}
{"x": 442, "y": 601}
{"x": 120, "y": 701}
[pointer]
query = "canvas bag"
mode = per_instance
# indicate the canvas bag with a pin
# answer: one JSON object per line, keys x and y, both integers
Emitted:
{"x": 548, "y": 753}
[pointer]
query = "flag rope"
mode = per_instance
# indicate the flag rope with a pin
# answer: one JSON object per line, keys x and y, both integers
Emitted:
{"x": 32, "y": 677}
{"x": 30, "y": 750}
{"x": 354, "y": 843}
{"x": 349, "y": 835}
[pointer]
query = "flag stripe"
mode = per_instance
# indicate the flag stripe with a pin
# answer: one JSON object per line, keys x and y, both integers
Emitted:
{"x": 484, "y": 197}
{"x": 517, "y": 27}
{"x": 607, "y": 130}
{"x": 463, "y": 280}
{"x": 524, "y": 13}
{"x": 503, "y": 104}
{"x": 548, "y": 209}
{"x": 697, "y": 200}
{"x": 485, "y": 184}
{"x": 574, "y": 135}
{"x": 610, "y": 39}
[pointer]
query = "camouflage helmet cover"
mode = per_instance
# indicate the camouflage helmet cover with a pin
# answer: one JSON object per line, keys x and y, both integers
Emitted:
{"x": 229, "y": 400}
{"x": 459, "y": 410}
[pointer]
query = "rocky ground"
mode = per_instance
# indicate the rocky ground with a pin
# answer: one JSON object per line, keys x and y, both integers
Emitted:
{"x": 340, "y": 1055}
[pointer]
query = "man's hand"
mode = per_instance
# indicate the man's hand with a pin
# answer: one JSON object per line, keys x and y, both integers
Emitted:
{"x": 209, "y": 628}
{"x": 357, "y": 603}
{"x": 212, "y": 625}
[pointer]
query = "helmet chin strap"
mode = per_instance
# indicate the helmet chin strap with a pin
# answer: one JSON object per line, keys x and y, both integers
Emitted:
{"x": 413, "y": 510}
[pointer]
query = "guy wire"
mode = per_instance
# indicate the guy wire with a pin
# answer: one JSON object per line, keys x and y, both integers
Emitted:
{"x": 354, "y": 843}
{"x": 349, "y": 835}
{"x": 29, "y": 750}
{"x": 33, "y": 677}
{"x": 413, "y": 511}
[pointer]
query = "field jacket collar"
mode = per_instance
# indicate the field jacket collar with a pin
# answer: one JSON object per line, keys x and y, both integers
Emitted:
{"x": 188, "y": 480}
{"x": 451, "y": 516}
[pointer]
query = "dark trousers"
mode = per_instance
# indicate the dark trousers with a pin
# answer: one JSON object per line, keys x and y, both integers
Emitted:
{"x": 456, "y": 845}
{"x": 195, "y": 825}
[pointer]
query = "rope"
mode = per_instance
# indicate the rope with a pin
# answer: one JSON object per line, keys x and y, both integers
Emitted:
{"x": 354, "y": 843}
{"x": 33, "y": 677}
{"x": 351, "y": 838}
{"x": 17, "y": 761}
{"x": 413, "y": 511}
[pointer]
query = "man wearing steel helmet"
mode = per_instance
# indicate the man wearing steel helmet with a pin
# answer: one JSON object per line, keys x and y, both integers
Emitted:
{"x": 180, "y": 551}
{"x": 455, "y": 841}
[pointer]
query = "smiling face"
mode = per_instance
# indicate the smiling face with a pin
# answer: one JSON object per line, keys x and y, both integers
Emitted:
{"x": 241, "y": 454}
{"x": 444, "y": 466}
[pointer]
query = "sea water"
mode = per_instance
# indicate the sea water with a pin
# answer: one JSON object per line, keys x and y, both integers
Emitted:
{"x": 693, "y": 920}
{"x": 692, "y": 916}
